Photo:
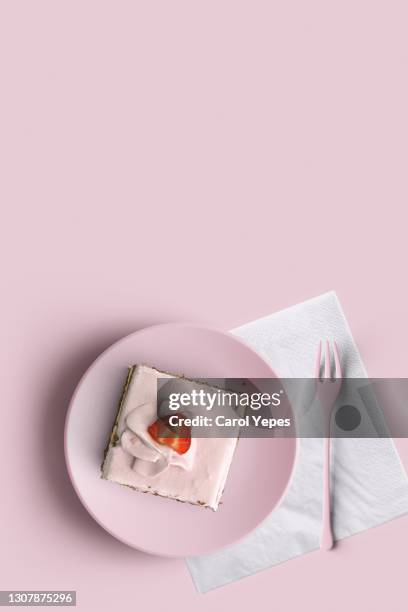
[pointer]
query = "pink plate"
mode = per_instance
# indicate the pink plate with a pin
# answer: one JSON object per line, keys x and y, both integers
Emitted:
{"x": 259, "y": 474}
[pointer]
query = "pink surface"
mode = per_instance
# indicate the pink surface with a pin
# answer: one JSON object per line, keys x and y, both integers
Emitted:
{"x": 259, "y": 474}
{"x": 210, "y": 162}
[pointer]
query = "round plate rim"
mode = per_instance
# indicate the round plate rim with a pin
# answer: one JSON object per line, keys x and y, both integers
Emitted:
{"x": 112, "y": 347}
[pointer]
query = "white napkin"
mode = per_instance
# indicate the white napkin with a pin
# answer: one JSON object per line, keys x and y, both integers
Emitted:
{"x": 369, "y": 484}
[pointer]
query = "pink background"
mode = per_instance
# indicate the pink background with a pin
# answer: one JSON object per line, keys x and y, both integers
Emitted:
{"x": 201, "y": 161}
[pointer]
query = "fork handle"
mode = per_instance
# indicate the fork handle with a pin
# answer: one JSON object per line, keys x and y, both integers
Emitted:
{"x": 326, "y": 538}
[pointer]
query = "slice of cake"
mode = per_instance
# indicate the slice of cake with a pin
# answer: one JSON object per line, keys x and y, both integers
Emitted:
{"x": 140, "y": 456}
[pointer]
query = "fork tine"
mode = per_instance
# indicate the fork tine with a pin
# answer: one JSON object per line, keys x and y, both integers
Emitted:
{"x": 327, "y": 361}
{"x": 318, "y": 360}
{"x": 337, "y": 360}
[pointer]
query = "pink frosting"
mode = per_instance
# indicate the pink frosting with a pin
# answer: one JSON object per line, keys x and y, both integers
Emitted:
{"x": 140, "y": 462}
{"x": 151, "y": 458}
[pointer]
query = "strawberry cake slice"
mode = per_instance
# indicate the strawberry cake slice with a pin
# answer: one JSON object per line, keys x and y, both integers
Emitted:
{"x": 140, "y": 455}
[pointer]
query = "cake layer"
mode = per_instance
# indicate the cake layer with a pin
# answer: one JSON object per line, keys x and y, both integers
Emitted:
{"x": 135, "y": 459}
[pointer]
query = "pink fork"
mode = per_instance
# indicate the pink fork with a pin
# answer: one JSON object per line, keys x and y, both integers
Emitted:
{"x": 327, "y": 391}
